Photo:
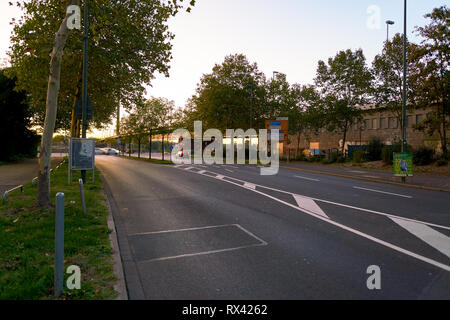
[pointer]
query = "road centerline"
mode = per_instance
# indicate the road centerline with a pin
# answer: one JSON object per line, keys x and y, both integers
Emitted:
{"x": 385, "y": 192}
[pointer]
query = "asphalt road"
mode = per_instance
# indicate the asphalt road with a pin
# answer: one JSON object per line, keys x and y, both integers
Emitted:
{"x": 226, "y": 232}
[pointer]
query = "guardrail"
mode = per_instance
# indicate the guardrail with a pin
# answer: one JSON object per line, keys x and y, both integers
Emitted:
{"x": 5, "y": 195}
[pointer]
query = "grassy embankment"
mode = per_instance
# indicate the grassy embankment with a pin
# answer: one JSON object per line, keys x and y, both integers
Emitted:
{"x": 27, "y": 242}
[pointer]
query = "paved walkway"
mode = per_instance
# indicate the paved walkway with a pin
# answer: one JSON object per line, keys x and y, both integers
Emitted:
{"x": 419, "y": 179}
{"x": 14, "y": 174}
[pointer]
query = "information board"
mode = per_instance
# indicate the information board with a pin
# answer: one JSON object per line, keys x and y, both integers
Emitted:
{"x": 403, "y": 164}
{"x": 81, "y": 155}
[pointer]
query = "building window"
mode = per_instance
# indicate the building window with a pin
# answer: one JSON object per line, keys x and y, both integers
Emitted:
{"x": 366, "y": 124}
{"x": 392, "y": 123}
{"x": 374, "y": 124}
{"x": 419, "y": 118}
{"x": 409, "y": 121}
{"x": 382, "y": 123}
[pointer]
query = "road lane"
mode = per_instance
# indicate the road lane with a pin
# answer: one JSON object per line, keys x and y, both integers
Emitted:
{"x": 304, "y": 257}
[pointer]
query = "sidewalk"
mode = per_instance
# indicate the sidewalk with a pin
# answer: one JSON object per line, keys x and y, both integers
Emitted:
{"x": 420, "y": 180}
{"x": 14, "y": 174}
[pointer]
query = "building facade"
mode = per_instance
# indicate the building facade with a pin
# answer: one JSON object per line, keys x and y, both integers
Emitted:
{"x": 375, "y": 123}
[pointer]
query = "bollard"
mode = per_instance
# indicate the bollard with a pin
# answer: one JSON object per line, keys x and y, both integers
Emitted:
{"x": 59, "y": 245}
{"x": 83, "y": 203}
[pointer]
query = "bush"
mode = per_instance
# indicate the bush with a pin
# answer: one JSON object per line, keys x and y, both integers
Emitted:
{"x": 340, "y": 159}
{"x": 374, "y": 149}
{"x": 441, "y": 162}
{"x": 423, "y": 156}
{"x": 358, "y": 156}
{"x": 301, "y": 157}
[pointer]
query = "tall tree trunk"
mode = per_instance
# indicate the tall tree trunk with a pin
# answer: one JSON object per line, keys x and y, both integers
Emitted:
{"x": 343, "y": 140}
{"x": 150, "y": 146}
{"x": 43, "y": 190}
{"x": 139, "y": 147}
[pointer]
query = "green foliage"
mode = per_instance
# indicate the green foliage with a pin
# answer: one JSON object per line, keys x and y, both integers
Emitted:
{"x": 224, "y": 96}
{"x": 441, "y": 162}
{"x": 433, "y": 78}
{"x": 387, "y": 69}
{"x": 374, "y": 149}
{"x": 344, "y": 83}
{"x": 18, "y": 140}
{"x": 358, "y": 156}
{"x": 423, "y": 156}
{"x": 128, "y": 44}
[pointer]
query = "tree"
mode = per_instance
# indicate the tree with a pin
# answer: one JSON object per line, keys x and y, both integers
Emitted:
{"x": 433, "y": 78}
{"x": 18, "y": 139}
{"x": 344, "y": 85}
{"x": 387, "y": 69}
{"x": 129, "y": 42}
{"x": 146, "y": 117}
{"x": 124, "y": 55}
{"x": 224, "y": 96}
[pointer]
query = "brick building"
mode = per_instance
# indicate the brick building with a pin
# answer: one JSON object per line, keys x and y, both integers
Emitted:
{"x": 375, "y": 123}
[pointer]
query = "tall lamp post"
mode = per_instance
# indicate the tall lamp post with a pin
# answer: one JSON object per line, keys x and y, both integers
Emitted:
{"x": 404, "y": 144}
{"x": 388, "y": 23}
{"x": 85, "y": 62}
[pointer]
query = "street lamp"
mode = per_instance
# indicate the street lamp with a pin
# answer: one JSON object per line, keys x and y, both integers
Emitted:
{"x": 388, "y": 23}
{"x": 404, "y": 144}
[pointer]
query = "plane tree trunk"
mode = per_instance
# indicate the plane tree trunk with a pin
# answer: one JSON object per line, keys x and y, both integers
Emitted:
{"x": 43, "y": 188}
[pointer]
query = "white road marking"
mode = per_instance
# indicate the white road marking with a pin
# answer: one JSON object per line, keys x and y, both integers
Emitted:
{"x": 219, "y": 176}
{"x": 310, "y": 205}
{"x": 261, "y": 242}
{"x": 347, "y": 206}
{"x": 296, "y": 176}
{"x": 229, "y": 170}
{"x": 344, "y": 227}
{"x": 202, "y": 171}
{"x": 249, "y": 185}
{"x": 394, "y": 194}
{"x": 188, "y": 168}
{"x": 434, "y": 238}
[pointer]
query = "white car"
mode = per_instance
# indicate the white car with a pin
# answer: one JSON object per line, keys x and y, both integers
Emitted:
{"x": 100, "y": 151}
{"x": 111, "y": 151}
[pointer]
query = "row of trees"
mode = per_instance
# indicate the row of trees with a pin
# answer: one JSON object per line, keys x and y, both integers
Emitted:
{"x": 342, "y": 85}
{"x": 147, "y": 118}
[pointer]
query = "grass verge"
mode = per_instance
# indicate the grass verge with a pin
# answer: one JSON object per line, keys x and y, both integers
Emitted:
{"x": 27, "y": 242}
{"x": 148, "y": 160}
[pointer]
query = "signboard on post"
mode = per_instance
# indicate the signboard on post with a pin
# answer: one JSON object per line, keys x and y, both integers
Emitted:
{"x": 403, "y": 164}
{"x": 81, "y": 156}
{"x": 280, "y": 124}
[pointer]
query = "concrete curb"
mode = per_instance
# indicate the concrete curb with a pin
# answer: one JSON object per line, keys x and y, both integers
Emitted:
{"x": 367, "y": 179}
{"x": 120, "y": 285}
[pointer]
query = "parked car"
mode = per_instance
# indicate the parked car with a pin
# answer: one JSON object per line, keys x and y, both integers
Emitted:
{"x": 100, "y": 151}
{"x": 111, "y": 152}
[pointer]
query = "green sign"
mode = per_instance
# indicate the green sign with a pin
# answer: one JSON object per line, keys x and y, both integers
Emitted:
{"x": 403, "y": 164}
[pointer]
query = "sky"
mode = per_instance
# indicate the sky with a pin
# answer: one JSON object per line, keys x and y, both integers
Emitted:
{"x": 288, "y": 36}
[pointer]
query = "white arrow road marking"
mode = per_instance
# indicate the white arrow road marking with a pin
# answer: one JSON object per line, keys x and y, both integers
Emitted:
{"x": 202, "y": 171}
{"x": 219, "y": 176}
{"x": 309, "y": 205}
{"x": 434, "y": 238}
{"x": 249, "y": 185}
